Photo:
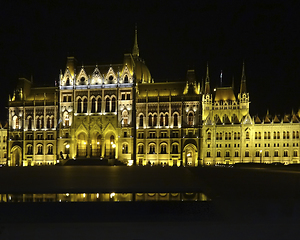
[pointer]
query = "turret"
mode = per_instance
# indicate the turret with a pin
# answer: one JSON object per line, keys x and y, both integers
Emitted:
{"x": 207, "y": 82}
{"x": 135, "y": 50}
{"x": 243, "y": 88}
{"x": 206, "y": 97}
{"x": 243, "y": 96}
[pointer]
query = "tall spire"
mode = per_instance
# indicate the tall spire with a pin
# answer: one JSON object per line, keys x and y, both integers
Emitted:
{"x": 243, "y": 88}
{"x": 207, "y": 85}
{"x": 135, "y": 50}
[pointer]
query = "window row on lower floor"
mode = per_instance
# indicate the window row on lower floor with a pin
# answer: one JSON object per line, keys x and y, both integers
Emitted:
{"x": 258, "y": 153}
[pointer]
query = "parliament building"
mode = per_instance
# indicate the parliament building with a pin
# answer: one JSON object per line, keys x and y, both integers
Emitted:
{"x": 118, "y": 112}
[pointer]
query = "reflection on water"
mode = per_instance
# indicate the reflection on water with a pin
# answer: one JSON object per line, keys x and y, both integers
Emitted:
{"x": 102, "y": 197}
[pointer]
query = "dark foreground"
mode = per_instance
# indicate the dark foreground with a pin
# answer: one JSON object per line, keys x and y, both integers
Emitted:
{"x": 245, "y": 203}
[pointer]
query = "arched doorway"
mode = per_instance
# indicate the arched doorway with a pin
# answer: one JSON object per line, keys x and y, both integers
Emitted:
{"x": 96, "y": 145}
{"x": 81, "y": 145}
{"x": 16, "y": 156}
{"x": 110, "y": 146}
{"x": 190, "y": 155}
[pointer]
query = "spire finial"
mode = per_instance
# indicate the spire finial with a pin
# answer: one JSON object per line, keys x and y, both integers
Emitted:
{"x": 243, "y": 88}
{"x": 243, "y": 72}
{"x": 207, "y": 73}
{"x": 135, "y": 50}
{"x": 207, "y": 85}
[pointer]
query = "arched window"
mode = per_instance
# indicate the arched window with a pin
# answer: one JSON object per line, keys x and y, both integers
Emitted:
{"x": 42, "y": 122}
{"x": 285, "y": 153}
{"x": 175, "y": 120}
{"x": 235, "y": 135}
{"x": 150, "y": 121}
{"x": 99, "y": 105}
{"x": 107, "y": 104}
{"x": 37, "y": 122}
{"x": 50, "y": 149}
{"x": 29, "y": 149}
{"x": 163, "y": 149}
{"x": 227, "y": 154}
{"x": 79, "y": 107}
{"x": 218, "y": 154}
{"x": 217, "y": 136}
{"x": 276, "y": 153}
{"x": 125, "y": 117}
{"x": 161, "y": 120}
{"x": 236, "y": 153}
{"x": 113, "y": 104}
{"x": 229, "y": 136}
{"x": 85, "y": 105}
{"x": 155, "y": 120}
{"x": 48, "y": 122}
{"x": 274, "y": 135}
{"x": 29, "y": 123}
{"x": 297, "y": 134}
{"x": 287, "y": 135}
{"x": 283, "y": 135}
{"x": 141, "y": 149}
{"x": 126, "y": 79}
{"x": 93, "y": 109}
{"x": 52, "y": 122}
{"x": 175, "y": 149}
{"x": 141, "y": 123}
{"x": 295, "y": 153}
{"x": 125, "y": 148}
{"x": 40, "y": 149}
{"x": 266, "y": 153}
{"x": 191, "y": 119}
{"x": 152, "y": 149}
{"x": 166, "y": 119}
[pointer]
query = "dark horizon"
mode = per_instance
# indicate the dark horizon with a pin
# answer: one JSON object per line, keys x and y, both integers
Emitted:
{"x": 172, "y": 38}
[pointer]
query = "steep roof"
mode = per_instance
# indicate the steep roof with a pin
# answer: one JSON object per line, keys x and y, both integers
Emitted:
{"x": 224, "y": 94}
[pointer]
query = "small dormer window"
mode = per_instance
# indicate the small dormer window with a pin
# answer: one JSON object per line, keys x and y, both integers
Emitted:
{"x": 111, "y": 78}
{"x": 126, "y": 79}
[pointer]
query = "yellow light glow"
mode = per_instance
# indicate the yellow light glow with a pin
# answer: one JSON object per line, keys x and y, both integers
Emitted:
{"x": 68, "y": 146}
{"x": 84, "y": 195}
{"x": 112, "y": 195}
{"x": 98, "y": 143}
{"x": 84, "y": 142}
{"x": 114, "y": 145}
{"x": 130, "y": 163}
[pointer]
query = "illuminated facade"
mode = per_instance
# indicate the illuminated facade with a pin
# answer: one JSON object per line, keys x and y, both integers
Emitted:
{"x": 117, "y": 112}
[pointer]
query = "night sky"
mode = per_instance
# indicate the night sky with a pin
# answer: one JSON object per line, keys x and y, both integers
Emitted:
{"x": 37, "y": 36}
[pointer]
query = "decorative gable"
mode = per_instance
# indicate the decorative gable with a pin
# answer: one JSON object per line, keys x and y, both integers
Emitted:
{"x": 111, "y": 77}
{"x": 126, "y": 76}
{"x": 67, "y": 79}
{"x": 96, "y": 77}
{"x": 82, "y": 78}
